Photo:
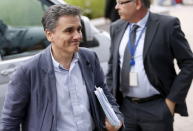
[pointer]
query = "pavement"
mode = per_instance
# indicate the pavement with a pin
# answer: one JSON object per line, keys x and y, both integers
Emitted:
{"x": 183, "y": 12}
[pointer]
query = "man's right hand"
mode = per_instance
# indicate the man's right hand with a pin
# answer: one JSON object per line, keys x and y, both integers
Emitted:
{"x": 109, "y": 127}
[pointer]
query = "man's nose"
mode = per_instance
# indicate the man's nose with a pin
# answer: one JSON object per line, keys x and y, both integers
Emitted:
{"x": 78, "y": 35}
{"x": 117, "y": 6}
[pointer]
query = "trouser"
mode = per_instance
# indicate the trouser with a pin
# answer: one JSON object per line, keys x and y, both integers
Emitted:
{"x": 152, "y": 115}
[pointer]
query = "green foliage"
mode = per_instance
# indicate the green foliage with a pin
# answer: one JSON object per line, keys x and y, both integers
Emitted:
{"x": 90, "y": 8}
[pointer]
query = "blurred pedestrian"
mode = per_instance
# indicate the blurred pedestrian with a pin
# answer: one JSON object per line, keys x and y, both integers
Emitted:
{"x": 179, "y": 2}
{"x": 161, "y": 2}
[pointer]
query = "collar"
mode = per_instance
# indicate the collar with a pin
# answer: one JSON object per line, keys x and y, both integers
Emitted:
{"x": 143, "y": 21}
{"x": 57, "y": 65}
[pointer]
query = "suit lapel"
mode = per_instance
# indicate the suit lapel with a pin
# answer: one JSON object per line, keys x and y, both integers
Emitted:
{"x": 86, "y": 70}
{"x": 116, "y": 40}
{"x": 49, "y": 80}
{"x": 87, "y": 74}
{"x": 118, "y": 35}
{"x": 152, "y": 25}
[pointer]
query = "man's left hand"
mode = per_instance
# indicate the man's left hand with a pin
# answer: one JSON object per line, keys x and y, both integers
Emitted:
{"x": 171, "y": 105}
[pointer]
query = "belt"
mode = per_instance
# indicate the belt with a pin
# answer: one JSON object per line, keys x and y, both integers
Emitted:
{"x": 142, "y": 100}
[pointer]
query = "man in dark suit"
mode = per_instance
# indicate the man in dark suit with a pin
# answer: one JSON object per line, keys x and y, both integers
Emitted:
{"x": 141, "y": 67}
{"x": 54, "y": 91}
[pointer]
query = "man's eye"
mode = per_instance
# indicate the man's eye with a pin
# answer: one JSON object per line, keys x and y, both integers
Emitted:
{"x": 79, "y": 29}
{"x": 69, "y": 30}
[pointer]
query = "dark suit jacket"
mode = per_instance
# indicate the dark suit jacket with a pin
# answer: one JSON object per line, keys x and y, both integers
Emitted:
{"x": 31, "y": 98}
{"x": 164, "y": 42}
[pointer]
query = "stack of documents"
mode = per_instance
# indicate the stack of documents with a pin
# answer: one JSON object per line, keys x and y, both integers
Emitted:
{"x": 107, "y": 108}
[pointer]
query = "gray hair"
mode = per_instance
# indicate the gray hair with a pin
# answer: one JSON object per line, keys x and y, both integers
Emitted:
{"x": 51, "y": 16}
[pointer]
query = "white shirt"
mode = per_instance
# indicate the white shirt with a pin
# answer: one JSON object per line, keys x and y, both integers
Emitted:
{"x": 144, "y": 88}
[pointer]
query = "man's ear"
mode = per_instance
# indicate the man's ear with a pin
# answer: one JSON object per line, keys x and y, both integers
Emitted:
{"x": 138, "y": 4}
{"x": 48, "y": 34}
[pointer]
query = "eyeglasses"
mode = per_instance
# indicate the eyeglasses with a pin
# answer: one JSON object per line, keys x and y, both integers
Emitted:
{"x": 123, "y": 2}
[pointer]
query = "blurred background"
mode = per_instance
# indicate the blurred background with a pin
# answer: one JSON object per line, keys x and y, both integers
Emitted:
{"x": 29, "y": 12}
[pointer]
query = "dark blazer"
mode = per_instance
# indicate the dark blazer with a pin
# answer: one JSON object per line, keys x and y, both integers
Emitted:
{"x": 164, "y": 42}
{"x": 31, "y": 98}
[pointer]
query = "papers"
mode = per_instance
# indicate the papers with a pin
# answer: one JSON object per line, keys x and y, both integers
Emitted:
{"x": 106, "y": 106}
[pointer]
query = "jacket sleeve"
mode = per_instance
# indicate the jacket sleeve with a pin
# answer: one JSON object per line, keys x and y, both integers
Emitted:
{"x": 183, "y": 54}
{"x": 16, "y": 99}
{"x": 100, "y": 82}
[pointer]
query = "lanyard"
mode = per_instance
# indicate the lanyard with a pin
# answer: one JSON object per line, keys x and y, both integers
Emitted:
{"x": 133, "y": 47}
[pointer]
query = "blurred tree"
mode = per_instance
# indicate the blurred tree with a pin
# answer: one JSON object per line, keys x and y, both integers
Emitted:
{"x": 90, "y": 8}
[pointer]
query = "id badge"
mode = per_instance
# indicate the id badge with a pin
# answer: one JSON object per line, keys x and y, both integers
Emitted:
{"x": 133, "y": 79}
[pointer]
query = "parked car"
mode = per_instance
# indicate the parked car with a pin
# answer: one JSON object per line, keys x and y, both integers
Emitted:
{"x": 19, "y": 44}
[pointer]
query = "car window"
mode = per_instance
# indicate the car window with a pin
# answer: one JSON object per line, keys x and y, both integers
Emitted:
{"x": 21, "y": 12}
{"x": 21, "y": 33}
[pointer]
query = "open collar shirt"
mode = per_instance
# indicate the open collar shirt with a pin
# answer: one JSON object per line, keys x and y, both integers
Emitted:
{"x": 73, "y": 110}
